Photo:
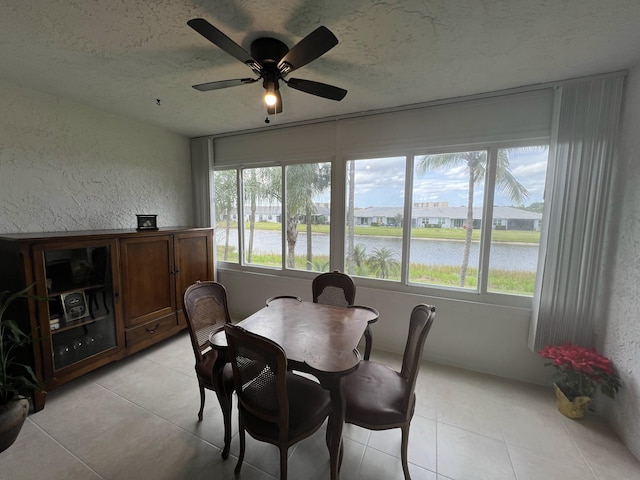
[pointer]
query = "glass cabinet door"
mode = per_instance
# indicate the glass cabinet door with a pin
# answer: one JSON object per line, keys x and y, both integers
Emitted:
{"x": 81, "y": 313}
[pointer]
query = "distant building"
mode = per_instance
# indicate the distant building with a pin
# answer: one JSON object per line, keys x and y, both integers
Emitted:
{"x": 423, "y": 215}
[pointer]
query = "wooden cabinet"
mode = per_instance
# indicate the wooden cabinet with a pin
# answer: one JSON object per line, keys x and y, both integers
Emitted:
{"x": 111, "y": 293}
{"x": 155, "y": 271}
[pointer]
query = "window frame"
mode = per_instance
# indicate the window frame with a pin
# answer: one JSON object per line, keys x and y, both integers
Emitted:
{"x": 338, "y": 222}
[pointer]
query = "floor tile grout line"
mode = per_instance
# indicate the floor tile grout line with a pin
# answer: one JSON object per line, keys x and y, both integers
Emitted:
{"x": 506, "y": 444}
{"x": 231, "y": 456}
{"x": 586, "y": 460}
{"x": 55, "y": 440}
{"x": 436, "y": 426}
{"x": 153, "y": 413}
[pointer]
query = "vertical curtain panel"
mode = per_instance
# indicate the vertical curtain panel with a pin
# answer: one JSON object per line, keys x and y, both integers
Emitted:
{"x": 201, "y": 180}
{"x": 578, "y": 178}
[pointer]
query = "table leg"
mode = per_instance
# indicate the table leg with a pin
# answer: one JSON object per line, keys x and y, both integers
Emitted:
{"x": 335, "y": 423}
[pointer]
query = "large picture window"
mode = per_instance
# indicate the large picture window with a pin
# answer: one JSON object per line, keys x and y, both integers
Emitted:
{"x": 466, "y": 219}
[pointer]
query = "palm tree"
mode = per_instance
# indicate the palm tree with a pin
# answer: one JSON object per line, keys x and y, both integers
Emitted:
{"x": 383, "y": 262}
{"x": 359, "y": 255}
{"x": 475, "y": 164}
{"x": 304, "y": 181}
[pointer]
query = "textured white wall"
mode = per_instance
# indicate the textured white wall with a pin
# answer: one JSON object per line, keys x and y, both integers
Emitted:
{"x": 620, "y": 335}
{"x": 65, "y": 166}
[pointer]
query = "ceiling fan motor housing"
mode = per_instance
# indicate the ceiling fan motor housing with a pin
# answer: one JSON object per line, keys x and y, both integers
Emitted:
{"x": 268, "y": 52}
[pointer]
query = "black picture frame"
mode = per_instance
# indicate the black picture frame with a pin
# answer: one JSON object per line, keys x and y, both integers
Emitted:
{"x": 74, "y": 305}
{"x": 147, "y": 222}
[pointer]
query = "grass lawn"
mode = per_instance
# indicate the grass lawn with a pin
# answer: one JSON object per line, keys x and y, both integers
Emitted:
{"x": 506, "y": 236}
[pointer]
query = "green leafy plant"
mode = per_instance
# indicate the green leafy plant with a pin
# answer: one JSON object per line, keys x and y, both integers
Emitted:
{"x": 581, "y": 371}
{"x": 15, "y": 378}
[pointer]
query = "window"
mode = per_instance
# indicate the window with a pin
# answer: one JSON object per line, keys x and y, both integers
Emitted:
{"x": 226, "y": 214}
{"x": 517, "y": 215}
{"x": 374, "y": 217}
{"x": 308, "y": 189}
{"x": 447, "y": 186}
{"x": 261, "y": 197}
{"x": 447, "y": 207}
{"x": 307, "y": 216}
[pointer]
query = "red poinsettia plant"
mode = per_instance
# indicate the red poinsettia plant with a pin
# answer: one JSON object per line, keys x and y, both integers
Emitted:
{"x": 581, "y": 371}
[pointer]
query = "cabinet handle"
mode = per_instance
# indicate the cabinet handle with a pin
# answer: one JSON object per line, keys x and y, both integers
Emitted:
{"x": 153, "y": 330}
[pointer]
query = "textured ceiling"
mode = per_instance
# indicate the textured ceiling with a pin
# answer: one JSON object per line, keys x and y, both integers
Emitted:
{"x": 122, "y": 55}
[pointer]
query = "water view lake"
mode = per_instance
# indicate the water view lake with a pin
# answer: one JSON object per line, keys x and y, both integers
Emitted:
{"x": 505, "y": 256}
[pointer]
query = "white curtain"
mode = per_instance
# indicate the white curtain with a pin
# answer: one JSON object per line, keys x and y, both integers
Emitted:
{"x": 586, "y": 117}
{"x": 201, "y": 180}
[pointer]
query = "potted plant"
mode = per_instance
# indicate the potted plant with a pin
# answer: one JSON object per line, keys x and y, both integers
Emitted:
{"x": 16, "y": 378}
{"x": 580, "y": 373}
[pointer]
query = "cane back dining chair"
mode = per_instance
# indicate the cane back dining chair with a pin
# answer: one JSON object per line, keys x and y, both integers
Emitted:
{"x": 274, "y": 405}
{"x": 380, "y": 398}
{"x": 206, "y": 311}
{"x": 337, "y": 288}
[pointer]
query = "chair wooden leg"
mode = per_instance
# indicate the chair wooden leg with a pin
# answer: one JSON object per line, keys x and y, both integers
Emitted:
{"x": 226, "y": 400}
{"x": 283, "y": 463}
{"x": 404, "y": 448}
{"x": 242, "y": 445}
{"x": 368, "y": 336}
{"x": 201, "y": 401}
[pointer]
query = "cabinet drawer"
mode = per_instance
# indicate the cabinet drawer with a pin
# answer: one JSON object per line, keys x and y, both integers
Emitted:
{"x": 152, "y": 331}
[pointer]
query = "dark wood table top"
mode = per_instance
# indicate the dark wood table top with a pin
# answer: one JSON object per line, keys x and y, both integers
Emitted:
{"x": 324, "y": 337}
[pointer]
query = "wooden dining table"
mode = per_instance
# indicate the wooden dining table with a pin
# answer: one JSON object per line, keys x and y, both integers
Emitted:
{"x": 318, "y": 339}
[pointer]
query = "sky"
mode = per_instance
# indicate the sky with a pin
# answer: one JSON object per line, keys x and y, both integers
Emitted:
{"x": 380, "y": 182}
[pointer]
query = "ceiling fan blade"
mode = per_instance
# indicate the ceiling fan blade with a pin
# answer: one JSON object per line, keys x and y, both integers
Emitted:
{"x": 218, "y": 38}
{"x": 205, "y": 87}
{"x": 317, "y": 43}
{"x": 277, "y": 108}
{"x": 317, "y": 88}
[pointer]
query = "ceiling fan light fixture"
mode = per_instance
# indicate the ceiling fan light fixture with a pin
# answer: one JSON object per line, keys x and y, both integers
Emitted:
{"x": 270, "y": 85}
{"x": 270, "y": 98}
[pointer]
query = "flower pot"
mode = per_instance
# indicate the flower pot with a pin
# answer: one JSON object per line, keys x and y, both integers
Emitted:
{"x": 12, "y": 417}
{"x": 575, "y": 408}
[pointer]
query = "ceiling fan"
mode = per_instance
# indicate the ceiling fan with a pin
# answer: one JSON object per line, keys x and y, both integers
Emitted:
{"x": 271, "y": 60}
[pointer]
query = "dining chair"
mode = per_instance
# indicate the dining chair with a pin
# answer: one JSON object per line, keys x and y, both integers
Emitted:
{"x": 276, "y": 297}
{"x": 206, "y": 311}
{"x": 337, "y": 288}
{"x": 380, "y": 398}
{"x": 274, "y": 405}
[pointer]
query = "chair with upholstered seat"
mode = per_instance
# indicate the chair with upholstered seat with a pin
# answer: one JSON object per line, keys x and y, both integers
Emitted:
{"x": 274, "y": 405}
{"x": 206, "y": 311}
{"x": 337, "y": 288}
{"x": 380, "y": 398}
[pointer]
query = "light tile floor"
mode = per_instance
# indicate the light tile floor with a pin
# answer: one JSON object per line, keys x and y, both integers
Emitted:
{"x": 137, "y": 419}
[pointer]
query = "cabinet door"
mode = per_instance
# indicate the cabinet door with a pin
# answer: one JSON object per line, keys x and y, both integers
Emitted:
{"x": 194, "y": 261}
{"x": 148, "y": 278}
{"x": 194, "y": 258}
{"x": 80, "y": 316}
